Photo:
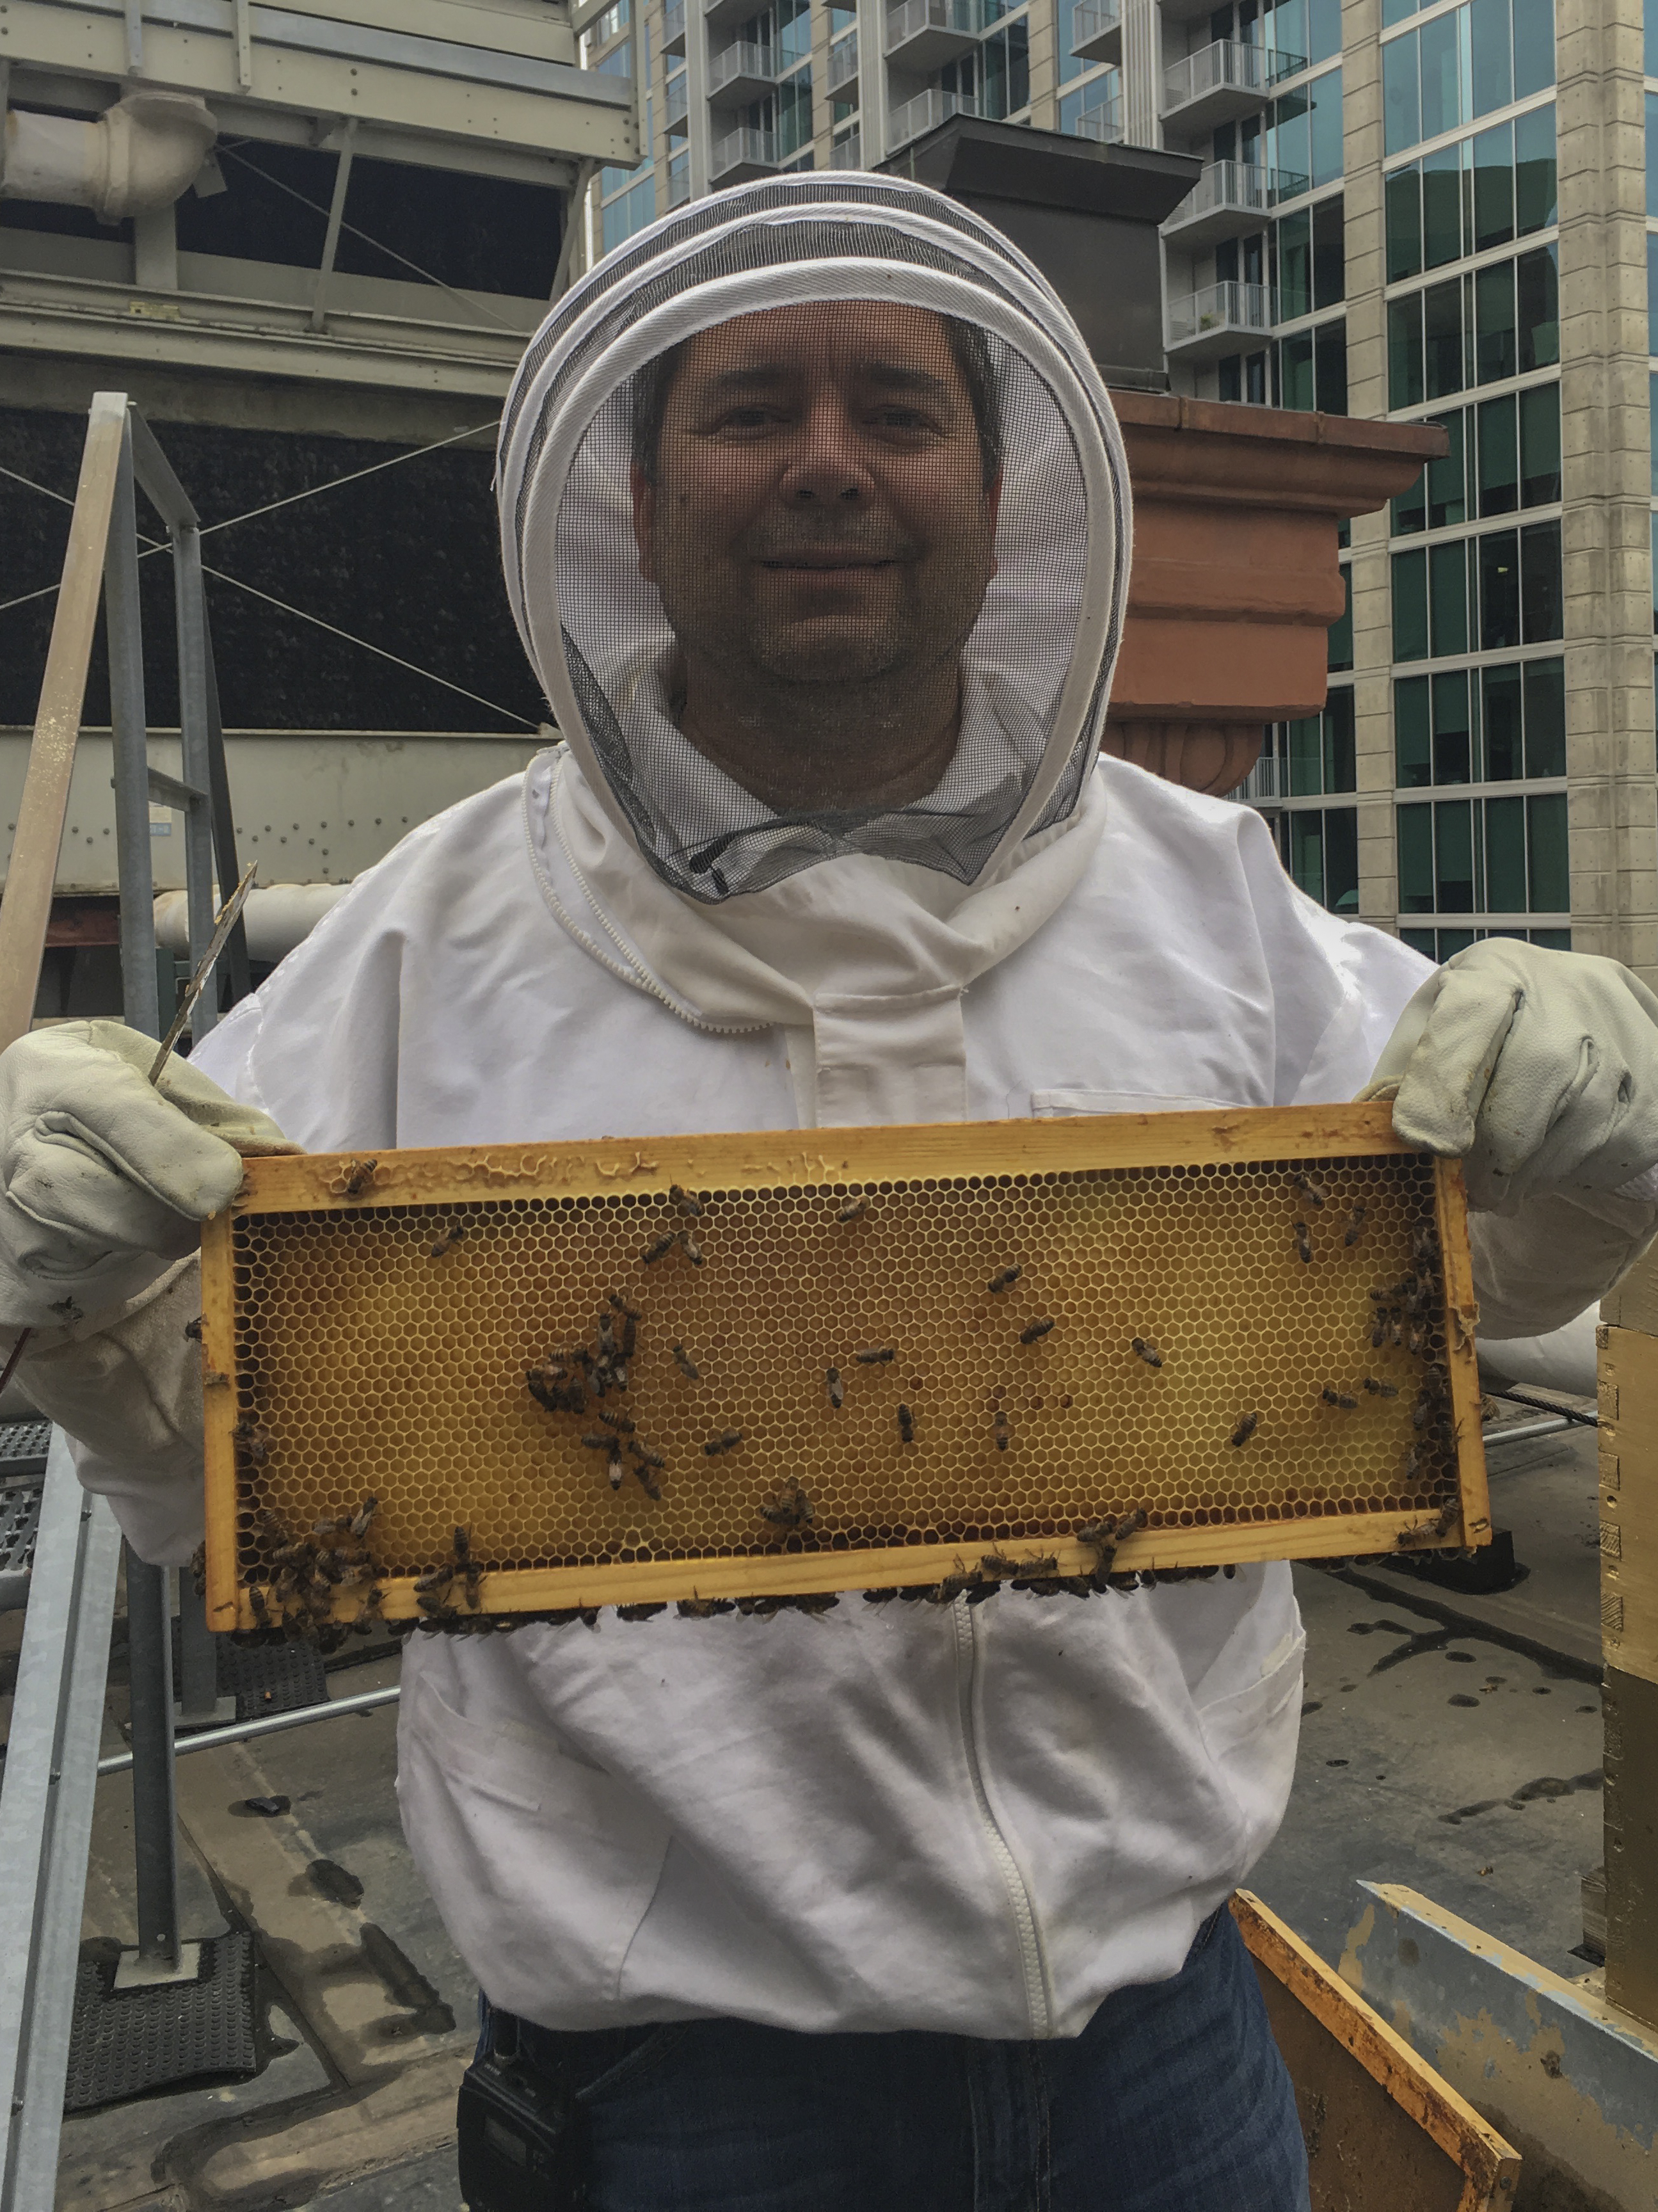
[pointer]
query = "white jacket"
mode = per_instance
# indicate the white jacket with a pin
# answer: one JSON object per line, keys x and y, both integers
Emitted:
{"x": 979, "y": 1821}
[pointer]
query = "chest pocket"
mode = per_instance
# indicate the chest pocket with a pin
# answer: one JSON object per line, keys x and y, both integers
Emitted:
{"x": 1054, "y": 1105}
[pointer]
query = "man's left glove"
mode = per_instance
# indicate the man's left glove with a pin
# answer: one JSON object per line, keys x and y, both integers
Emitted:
{"x": 1539, "y": 1070}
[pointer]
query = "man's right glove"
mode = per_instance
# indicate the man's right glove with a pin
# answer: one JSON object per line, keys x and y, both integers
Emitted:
{"x": 104, "y": 1177}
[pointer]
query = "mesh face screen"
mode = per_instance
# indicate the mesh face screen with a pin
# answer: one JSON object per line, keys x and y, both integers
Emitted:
{"x": 1269, "y": 1357}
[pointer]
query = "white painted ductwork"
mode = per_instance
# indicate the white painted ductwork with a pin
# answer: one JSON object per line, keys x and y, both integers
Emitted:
{"x": 276, "y": 919}
{"x": 141, "y": 153}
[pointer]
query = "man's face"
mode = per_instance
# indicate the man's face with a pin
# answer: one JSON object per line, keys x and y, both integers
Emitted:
{"x": 820, "y": 513}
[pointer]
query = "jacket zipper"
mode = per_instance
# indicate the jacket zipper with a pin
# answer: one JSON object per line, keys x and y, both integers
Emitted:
{"x": 1018, "y": 1895}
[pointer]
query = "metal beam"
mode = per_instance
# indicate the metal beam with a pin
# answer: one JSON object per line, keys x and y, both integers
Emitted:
{"x": 364, "y": 1701}
{"x": 335, "y": 217}
{"x": 133, "y": 778}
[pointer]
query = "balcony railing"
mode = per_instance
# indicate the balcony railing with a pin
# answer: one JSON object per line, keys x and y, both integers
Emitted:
{"x": 1218, "y": 309}
{"x": 679, "y": 100}
{"x": 843, "y": 60}
{"x": 1103, "y": 122}
{"x": 950, "y": 24}
{"x": 847, "y": 153}
{"x": 1226, "y": 66}
{"x": 1237, "y": 188}
{"x": 741, "y": 65}
{"x": 1095, "y": 24}
{"x": 673, "y": 28}
{"x": 743, "y": 149}
{"x": 679, "y": 189}
{"x": 915, "y": 118}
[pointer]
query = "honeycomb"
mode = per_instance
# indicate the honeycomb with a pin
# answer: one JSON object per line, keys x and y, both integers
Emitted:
{"x": 1192, "y": 1338}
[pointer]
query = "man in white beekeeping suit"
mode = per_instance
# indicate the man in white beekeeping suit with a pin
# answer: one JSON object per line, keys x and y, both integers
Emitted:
{"x": 817, "y": 529}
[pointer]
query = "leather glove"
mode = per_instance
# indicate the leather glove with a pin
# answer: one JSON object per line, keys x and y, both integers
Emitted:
{"x": 104, "y": 1178}
{"x": 1539, "y": 1069}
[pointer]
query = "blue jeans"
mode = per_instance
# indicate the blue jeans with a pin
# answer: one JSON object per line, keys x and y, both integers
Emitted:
{"x": 1173, "y": 2098}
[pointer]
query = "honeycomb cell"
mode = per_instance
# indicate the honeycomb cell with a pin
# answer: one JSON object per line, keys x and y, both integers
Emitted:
{"x": 383, "y": 1348}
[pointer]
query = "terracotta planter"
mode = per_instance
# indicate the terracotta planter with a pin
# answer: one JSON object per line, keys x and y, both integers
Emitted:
{"x": 1235, "y": 580}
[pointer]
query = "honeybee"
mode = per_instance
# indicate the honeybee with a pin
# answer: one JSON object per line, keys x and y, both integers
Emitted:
{"x": 691, "y": 1207}
{"x": 837, "y": 1389}
{"x": 853, "y": 1210}
{"x": 1425, "y": 1532}
{"x": 790, "y": 1509}
{"x": 193, "y": 1328}
{"x": 704, "y": 1608}
{"x": 1034, "y": 1331}
{"x": 1006, "y": 1279}
{"x": 658, "y": 1249}
{"x": 727, "y": 1440}
{"x": 598, "y": 1440}
{"x": 685, "y": 1364}
{"x": 255, "y": 1440}
{"x": 879, "y": 1597}
{"x": 646, "y": 1456}
{"x": 1043, "y": 1569}
{"x": 261, "y": 1611}
{"x": 643, "y": 1612}
{"x": 997, "y": 1565}
{"x": 1246, "y": 1428}
{"x": 1337, "y": 1398}
{"x": 691, "y": 1248}
{"x": 1380, "y": 1389}
{"x": 644, "y": 1463}
{"x": 1416, "y": 1339}
{"x": 1379, "y": 1333}
{"x": 364, "y": 1514}
{"x": 1144, "y": 1349}
{"x": 613, "y": 1467}
{"x": 1001, "y": 1430}
{"x": 615, "y": 1299}
{"x": 359, "y": 1174}
{"x": 1313, "y": 1193}
{"x": 906, "y": 1426}
{"x": 619, "y": 1422}
{"x": 1304, "y": 1243}
{"x": 878, "y": 1358}
{"x": 815, "y": 1603}
{"x": 1136, "y": 1517}
{"x": 445, "y": 1241}
{"x": 1355, "y": 1224}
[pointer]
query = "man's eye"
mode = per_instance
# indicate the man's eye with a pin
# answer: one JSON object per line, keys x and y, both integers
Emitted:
{"x": 748, "y": 418}
{"x": 903, "y": 418}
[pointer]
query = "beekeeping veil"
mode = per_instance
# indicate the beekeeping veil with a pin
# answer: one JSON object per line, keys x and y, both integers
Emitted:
{"x": 855, "y": 926}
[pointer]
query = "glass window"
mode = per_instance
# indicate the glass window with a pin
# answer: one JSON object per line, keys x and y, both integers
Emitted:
{"x": 1654, "y": 573}
{"x": 1306, "y": 858}
{"x": 1290, "y": 145}
{"x": 1453, "y": 736}
{"x": 1341, "y": 859}
{"x": 1650, "y": 25}
{"x": 1495, "y": 345}
{"x": 1294, "y": 381}
{"x": 1442, "y": 207}
{"x": 1330, "y": 367}
{"x": 1411, "y": 508}
{"x": 1539, "y": 445}
{"x": 1442, "y": 89}
{"x": 1006, "y": 70}
{"x": 1413, "y": 736}
{"x": 1500, "y": 715}
{"x": 1442, "y": 331}
{"x": 1492, "y": 55}
{"x": 1341, "y": 749}
{"x": 1323, "y": 29}
{"x": 1546, "y": 841}
{"x": 1493, "y": 182}
{"x": 1405, "y": 351}
{"x": 793, "y": 30}
{"x": 1499, "y": 590}
{"x": 1542, "y": 607}
{"x": 1340, "y": 652}
{"x": 1534, "y": 186}
{"x": 1652, "y": 282}
{"x": 1546, "y": 717}
{"x": 1395, "y": 11}
{"x": 1324, "y": 99}
{"x": 1294, "y": 235}
{"x": 1499, "y": 455}
{"x": 1446, "y": 490}
{"x": 1229, "y": 374}
{"x": 1329, "y": 253}
{"x": 1505, "y": 856}
{"x": 1416, "y": 859}
{"x": 1401, "y": 100}
{"x": 1305, "y": 748}
{"x": 1403, "y": 195}
{"x": 1538, "y": 283}
{"x": 1533, "y": 46}
{"x": 1447, "y": 597}
{"x": 1410, "y": 572}
{"x": 794, "y": 112}
{"x": 1652, "y": 152}
{"x": 1454, "y": 871}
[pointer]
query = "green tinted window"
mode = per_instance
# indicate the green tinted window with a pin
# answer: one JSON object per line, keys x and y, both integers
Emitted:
{"x": 1495, "y": 347}
{"x": 1413, "y": 740}
{"x": 1447, "y": 597}
{"x": 1340, "y": 653}
{"x": 1542, "y": 601}
{"x": 1505, "y": 856}
{"x": 1499, "y": 455}
{"x": 1442, "y": 207}
{"x": 1550, "y": 874}
{"x": 1404, "y": 199}
{"x": 1533, "y": 46}
{"x": 1341, "y": 859}
{"x": 1504, "y": 760}
{"x": 1499, "y": 590}
{"x": 1491, "y": 55}
{"x": 1306, "y": 752}
{"x": 1340, "y": 752}
{"x": 1401, "y": 97}
{"x": 1539, "y": 286}
{"x": 1493, "y": 186}
{"x": 1307, "y": 852}
{"x": 1329, "y": 253}
{"x": 1405, "y": 351}
{"x": 1416, "y": 859}
{"x": 1410, "y": 572}
{"x": 1453, "y": 870}
{"x": 1295, "y": 268}
{"x": 1295, "y": 372}
{"x": 1442, "y": 338}
{"x": 1539, "y": 445}
{"x": 1447, "y": 488}
{"x": 1452, "y": 755}
{"x": 1535, "y": 175}
{"x": 1546, "y": 717}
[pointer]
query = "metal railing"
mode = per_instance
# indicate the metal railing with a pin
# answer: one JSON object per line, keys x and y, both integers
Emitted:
{"x": 1226, "y": 65}
{"x": 926, "y": 113}
{"x": 740, "y": 147}
{"x": 673, "y": 24}
{"x": 679, "y": 189}
{"x": 1237, "y": 186}
{"x": 909, "y": 20}
{"x": 843, "y": 60}
{"x": 1092, "y": 19}
{"x": 1247, "y": 308}
{"x": 847, "y": 153}
{"x": 678, "y": 101}
{"x": 1103, "y": 122}
{"x": 742, "y": 60}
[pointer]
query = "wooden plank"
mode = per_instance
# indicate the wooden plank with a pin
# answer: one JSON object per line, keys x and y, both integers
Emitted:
{"x": 1629, "y": 1500}
{"x": 1633, "y": 1303}
{"x": 1421, "y": 2146}
{"x": 1630, "y": 1708}
{"x": 26, "y": 908}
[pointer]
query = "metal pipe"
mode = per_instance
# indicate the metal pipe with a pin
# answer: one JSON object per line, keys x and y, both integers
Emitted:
{"x": 198, "y": 1658}
{"x": 196, "y": 749}
{"x": 1522, "y": 1430}
{"x": 149, "y": 1644}
{"x": 224, "y": 823}
{"x": 129, "y": 736}
{"x": 364, "y": 1701}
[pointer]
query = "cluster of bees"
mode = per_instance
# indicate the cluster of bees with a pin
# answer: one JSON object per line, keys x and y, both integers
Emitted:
{"x": 308, "y": 1576}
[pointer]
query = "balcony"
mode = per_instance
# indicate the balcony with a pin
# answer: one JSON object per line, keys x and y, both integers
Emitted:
{"x": 741, "y": 74}
{"x": 843, "y": 61}
{"x": 847, "y": 153}
{"x": 1097, "y": 31}
{"x": 1221, "y": 319}
{"x": 728, "y": 15}
{"x": 924, "y": 34}
{"x": 1103, "y": 124}
{"x": 915, "y": 118}
{"x": 673, "y": 28}
{"x": 679, "y": 188}
{"x": 1220, "y": 82}
{"x": 678, "y": 101}
{"x": 1230, "y": 199}
{"x": 741, "y": 155}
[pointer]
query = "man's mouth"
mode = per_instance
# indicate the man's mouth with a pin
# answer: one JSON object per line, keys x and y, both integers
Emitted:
{"x": 827, "y": 563}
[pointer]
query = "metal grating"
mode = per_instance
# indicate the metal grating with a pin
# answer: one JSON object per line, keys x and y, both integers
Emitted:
{"x": 20, "y": 1522}
{"x": 374, "y": 1321}
{"x": 124, "y": 2042}
{"x": 23, "y": 1446}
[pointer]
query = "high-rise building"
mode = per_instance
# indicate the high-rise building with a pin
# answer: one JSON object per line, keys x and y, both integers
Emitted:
{"x": 1436, "y": 213}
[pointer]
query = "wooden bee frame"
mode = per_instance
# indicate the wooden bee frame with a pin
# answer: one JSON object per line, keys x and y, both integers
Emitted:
{"x": 368, "y": 1324}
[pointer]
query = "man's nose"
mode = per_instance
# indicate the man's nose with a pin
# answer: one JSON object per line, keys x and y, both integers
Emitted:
{"x": 828, "y": 463}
